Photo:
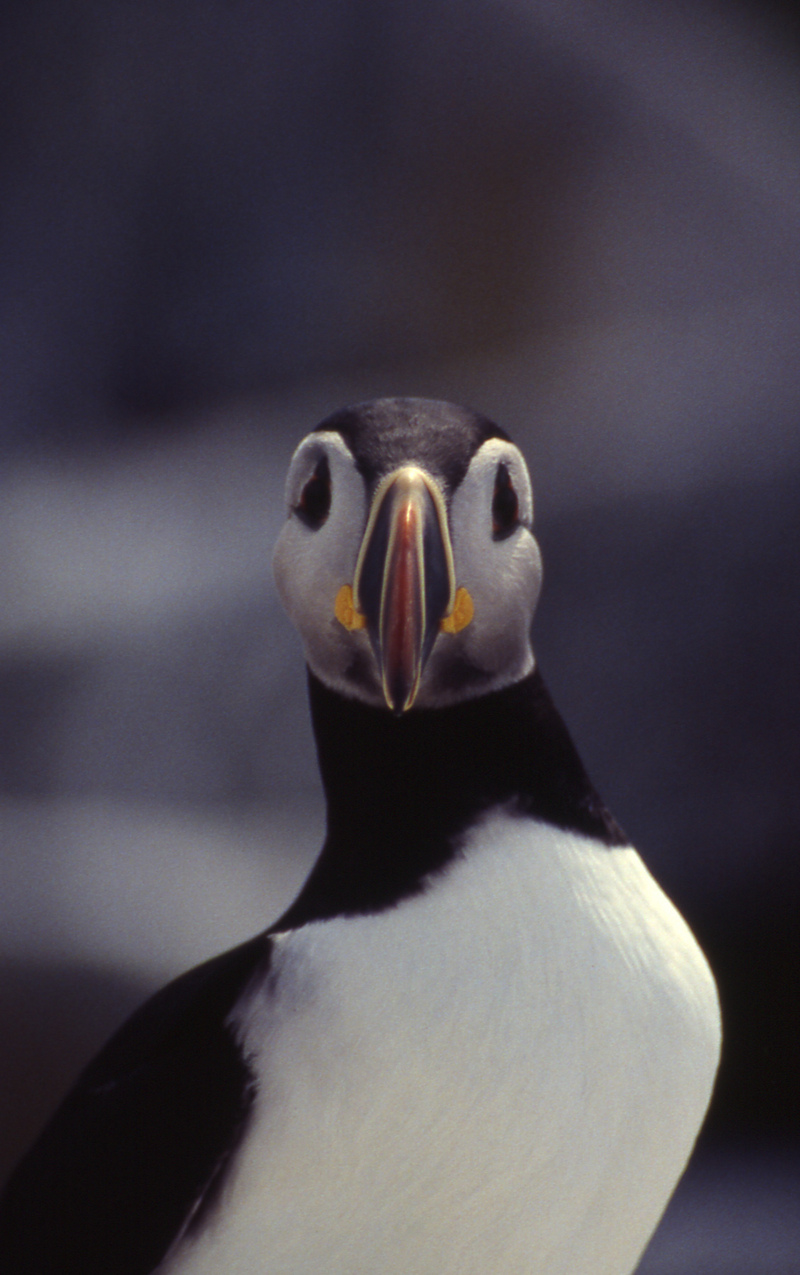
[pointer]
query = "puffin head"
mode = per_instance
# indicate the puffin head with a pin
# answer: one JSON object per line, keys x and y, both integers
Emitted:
{"x": 407, "y": 561}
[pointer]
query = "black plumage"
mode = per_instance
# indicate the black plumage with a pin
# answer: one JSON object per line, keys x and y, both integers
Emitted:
{"x": 388, "y": 432}
{"x": 139, "y": 1147}
{"x": 400, "y": 792}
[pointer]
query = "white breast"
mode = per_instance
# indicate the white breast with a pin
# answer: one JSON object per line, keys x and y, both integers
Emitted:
{"x": 505, "y": 1074}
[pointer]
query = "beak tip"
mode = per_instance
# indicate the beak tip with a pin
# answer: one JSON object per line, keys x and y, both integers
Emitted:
{"x": 399, "y": 697}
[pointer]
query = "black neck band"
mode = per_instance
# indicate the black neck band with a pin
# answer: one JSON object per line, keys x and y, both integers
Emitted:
{"x": 400, "y": 791}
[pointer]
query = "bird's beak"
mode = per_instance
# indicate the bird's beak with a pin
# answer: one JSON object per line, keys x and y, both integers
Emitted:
{"x": 404, "y": 585}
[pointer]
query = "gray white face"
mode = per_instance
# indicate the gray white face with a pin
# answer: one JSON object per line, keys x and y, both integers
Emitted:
{"x": 404, "y": 593}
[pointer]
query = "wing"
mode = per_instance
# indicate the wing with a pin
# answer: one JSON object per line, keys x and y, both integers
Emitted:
{"x": 139, "y": 1147}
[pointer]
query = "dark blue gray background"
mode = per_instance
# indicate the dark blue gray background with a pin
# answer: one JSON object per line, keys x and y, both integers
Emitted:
{"x": 219, "y": 222}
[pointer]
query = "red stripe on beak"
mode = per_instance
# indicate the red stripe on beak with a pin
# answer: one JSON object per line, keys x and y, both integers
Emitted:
{"x": 402, "y": 622}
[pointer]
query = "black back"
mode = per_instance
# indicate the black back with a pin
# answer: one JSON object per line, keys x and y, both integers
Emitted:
{"x": 139, "y": 1147}
{"x": 402, "y": 790}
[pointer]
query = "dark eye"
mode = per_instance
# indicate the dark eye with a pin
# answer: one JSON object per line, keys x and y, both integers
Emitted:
{"x": 505, "y": 506}
{"x": 314, "y": 504}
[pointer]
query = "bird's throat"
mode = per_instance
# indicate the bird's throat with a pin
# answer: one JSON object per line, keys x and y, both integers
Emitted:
{"x": 401, "y": 791}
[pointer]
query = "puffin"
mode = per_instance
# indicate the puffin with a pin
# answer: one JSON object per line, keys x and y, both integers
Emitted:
{"x": 481, "y": 1038}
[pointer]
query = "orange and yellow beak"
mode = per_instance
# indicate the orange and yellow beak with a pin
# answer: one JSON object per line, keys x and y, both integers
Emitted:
{"x": 404, "y": 588}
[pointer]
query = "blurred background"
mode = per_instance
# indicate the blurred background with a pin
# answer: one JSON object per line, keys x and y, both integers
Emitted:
{"x": 221, "y": 220}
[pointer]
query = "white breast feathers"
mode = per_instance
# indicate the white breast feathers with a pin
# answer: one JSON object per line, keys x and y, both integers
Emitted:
{"x": 504, "y": 1074}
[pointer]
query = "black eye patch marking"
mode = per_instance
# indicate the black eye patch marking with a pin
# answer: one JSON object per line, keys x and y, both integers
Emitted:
{"x": 314, "y": 504}
{"x": 505, "y": 505}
